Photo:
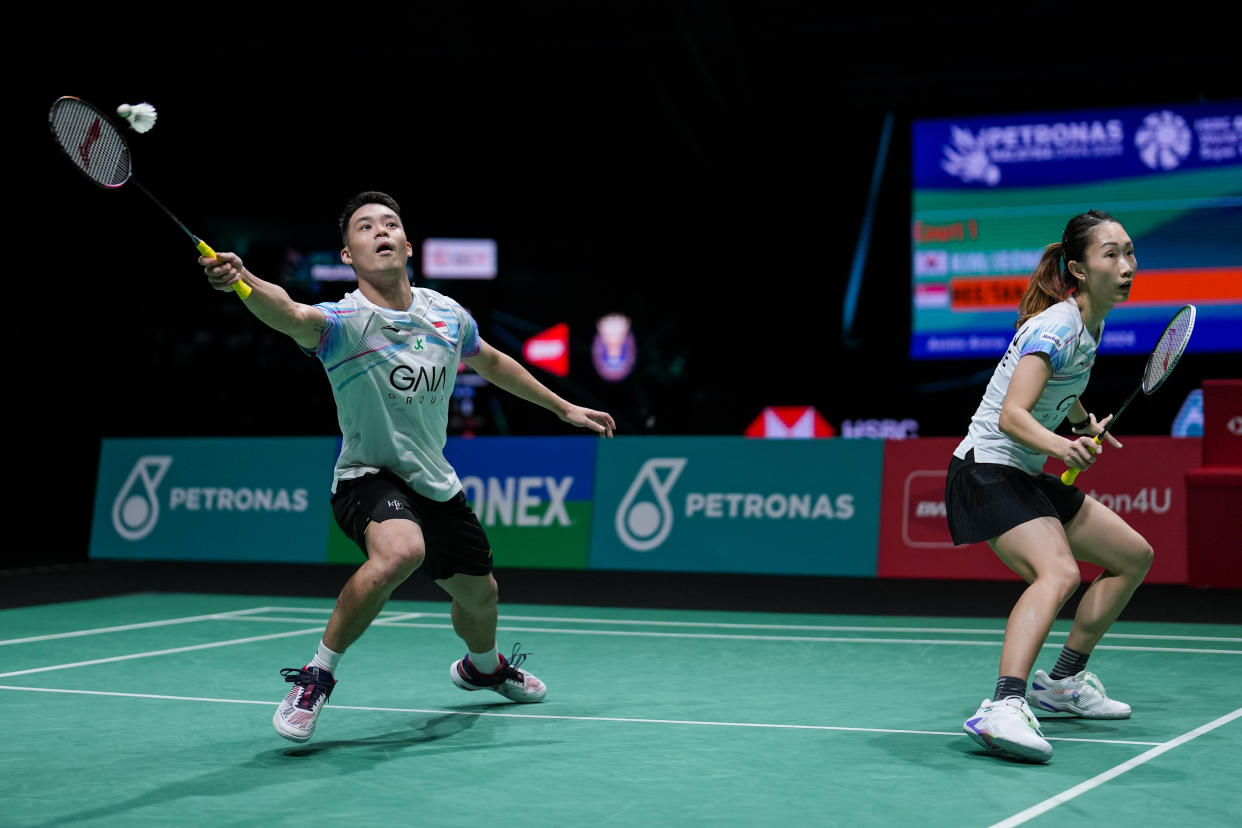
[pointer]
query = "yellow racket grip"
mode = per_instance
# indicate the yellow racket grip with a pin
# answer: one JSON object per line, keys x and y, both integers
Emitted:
{"x": 239, "y": 287}
{"x": 1068, "y": 476}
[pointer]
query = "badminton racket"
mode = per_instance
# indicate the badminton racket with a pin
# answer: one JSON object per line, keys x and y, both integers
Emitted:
{"x": 98, "y": 150}
{"x": 1169, "y": 349}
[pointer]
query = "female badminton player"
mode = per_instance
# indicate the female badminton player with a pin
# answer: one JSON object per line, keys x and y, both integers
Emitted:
{"x": 1040, "y": 527}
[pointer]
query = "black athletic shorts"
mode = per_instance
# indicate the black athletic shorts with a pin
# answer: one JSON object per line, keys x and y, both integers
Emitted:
{"x": 455, "y": 540}
{"x": 983, "y": 500}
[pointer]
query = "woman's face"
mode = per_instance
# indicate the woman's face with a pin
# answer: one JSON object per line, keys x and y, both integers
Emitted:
{"x": 1108, "y": 271}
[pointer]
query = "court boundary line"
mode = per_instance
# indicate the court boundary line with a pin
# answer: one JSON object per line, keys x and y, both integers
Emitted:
{"x": 1113, "y": 772}
{"x": 391, "y": 616}
{"x": 152, "y": 653}
{"x": 398, "y": 618}
{"x": 555, "y": 717}
{"x": 168, "y": 622}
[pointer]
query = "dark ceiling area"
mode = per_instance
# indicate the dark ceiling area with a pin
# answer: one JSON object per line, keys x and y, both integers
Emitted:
{"x": 703, "y": 167}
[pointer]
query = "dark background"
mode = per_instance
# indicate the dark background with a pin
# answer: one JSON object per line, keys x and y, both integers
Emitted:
{"x": 701, "y": 166}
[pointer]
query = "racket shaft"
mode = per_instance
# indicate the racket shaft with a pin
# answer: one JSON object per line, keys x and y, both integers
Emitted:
{"x": 1068, "y": 476}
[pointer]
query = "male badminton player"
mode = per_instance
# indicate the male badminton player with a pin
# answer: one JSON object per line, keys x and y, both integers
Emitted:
{"x": 1040, "y": 527}
{"x": 391, "y": 352}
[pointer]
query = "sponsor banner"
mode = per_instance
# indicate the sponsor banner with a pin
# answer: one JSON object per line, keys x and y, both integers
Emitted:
{"x": 533, "y": 495}
{"x": 732, "y": 504}
{"x": 1039, "y": 149}
{"x": 217, "y": 499}
{"x": 459, "y": 258}
{"x": 1144, "y": 482}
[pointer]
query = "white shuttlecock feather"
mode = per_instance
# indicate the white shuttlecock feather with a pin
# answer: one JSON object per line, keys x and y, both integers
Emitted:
{"x": 141, "y": 116}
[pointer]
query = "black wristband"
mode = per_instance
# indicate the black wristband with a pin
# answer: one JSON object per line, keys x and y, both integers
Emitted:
{"x": 1075, "y": 426}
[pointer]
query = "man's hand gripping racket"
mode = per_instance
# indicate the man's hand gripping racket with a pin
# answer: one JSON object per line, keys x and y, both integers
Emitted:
{"x": 1169, "y": 349}
{"x": 97, "y": 148}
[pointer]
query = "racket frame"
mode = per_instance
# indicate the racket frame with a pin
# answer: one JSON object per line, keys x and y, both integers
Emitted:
{"x": 1068, "y": 476}
{"x": 242, "y": 289}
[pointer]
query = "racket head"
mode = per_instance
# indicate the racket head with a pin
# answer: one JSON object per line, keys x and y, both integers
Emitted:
{"x": 90, "y": 140}
{"x": 1169, "y": 349}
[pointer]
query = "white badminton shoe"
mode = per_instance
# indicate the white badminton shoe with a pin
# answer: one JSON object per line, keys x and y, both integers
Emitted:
{"x": 1008, "y": 726}
{"x": 295, "y": 717}
{"x": 1082, "y": 695}
{"x": 510, "y": 682}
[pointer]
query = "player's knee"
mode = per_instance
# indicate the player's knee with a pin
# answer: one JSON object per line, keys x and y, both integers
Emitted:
{"x": 1066, "y": 579}
{"x": 393, "y": 562}
{"x": 1143, "y": 557}
{"x": 485, "y": 595}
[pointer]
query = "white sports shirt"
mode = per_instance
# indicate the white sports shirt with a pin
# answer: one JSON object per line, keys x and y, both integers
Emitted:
{"x": 392, "y": 373}
{"x": 1060, "y": 333}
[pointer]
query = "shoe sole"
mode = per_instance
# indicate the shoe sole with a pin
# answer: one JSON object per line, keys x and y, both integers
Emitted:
{"x": 461, "y": 682}
{"x": 1075, "y": 711}
{"x": 279, "y": 723}
{"x": 1001, "y": 747}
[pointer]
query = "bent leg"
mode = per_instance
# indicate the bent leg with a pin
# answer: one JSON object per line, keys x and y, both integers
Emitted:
{"x": 1099, "y": 536}
{"x": 395, "y": 549}
{"x": 475, "y": 609}
{"x": 1038, "y": 551}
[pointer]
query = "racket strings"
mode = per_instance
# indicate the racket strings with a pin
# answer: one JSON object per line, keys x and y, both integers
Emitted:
{"x": 91, "y": 142}
{"x": 1169, "y": 349}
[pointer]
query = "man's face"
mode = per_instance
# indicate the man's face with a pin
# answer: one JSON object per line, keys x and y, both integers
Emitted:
{"x": 375, "y": 240}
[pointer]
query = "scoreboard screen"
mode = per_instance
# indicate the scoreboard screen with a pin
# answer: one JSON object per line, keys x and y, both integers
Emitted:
{"x": 990, "y": 193}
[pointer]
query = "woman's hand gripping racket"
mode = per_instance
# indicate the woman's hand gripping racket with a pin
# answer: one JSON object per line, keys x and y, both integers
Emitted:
{"x": 1169, "y": 349}
{"x": 98, "y": 149}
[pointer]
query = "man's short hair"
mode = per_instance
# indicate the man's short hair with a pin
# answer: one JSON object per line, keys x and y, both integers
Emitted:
{"x": 367, "y": 197}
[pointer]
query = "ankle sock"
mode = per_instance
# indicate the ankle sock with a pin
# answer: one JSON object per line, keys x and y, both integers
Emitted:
{"x": 1007, "y": 686}
{"x": 326, "y": 659}
{"x": 486, "y": 663}
{"x": 1070, "y": 663}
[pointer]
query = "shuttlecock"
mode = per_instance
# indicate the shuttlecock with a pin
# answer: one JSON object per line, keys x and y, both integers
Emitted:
{"x": 141, "y": 116}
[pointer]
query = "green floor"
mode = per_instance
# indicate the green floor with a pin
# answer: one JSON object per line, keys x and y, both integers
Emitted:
{"x": 155, "y": 710}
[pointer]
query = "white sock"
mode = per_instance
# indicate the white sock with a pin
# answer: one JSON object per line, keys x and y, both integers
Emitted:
{"x": 486, "y": 663}
{"x": 326, "y": 659}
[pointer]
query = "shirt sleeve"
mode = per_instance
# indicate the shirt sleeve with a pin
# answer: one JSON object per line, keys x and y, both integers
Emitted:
{"x": 333, "y": 329}
{"x": 469, "y": 334}
{"x": 1055, "y": 339}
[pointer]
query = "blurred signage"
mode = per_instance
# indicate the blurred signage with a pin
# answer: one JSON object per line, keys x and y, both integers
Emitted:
{"x": 459, "y": 258}
{"x": 549, "y": 350}
{"x": 789, "y": 421}
{"x": 880, "y": 429}
{"x": 613, "y": 350}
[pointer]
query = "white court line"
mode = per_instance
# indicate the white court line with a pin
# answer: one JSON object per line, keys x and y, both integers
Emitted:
{"x": 151, "y": 653}
{"x": 618, "y": 719}
{"x": 393, "y": 618}
{"x": 809, "y": 638}
{"x": 737, "y": 626}
{"x": 1113, "y": 773}
{"x": 144, "y": 625}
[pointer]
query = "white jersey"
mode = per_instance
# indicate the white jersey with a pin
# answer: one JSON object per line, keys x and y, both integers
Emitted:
{"x": 1060, "y": 333}
{"x": 392, "y": 373}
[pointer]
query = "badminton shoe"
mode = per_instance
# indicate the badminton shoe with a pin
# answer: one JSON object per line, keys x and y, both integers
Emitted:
{"x": 510, "y": 682}
{"x": 1082, "y": 695}
{"x": 295, "y": 718}
{"x": 1008, "y": 726}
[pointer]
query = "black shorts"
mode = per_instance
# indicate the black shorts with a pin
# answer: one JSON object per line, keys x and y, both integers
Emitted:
{"x": 454, "y": 538}
{"x": 983, "y": 500}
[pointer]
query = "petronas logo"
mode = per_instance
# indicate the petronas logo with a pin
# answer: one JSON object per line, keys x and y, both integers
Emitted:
{"x": 137, "y": 507}
{"x": 645, "y": 516}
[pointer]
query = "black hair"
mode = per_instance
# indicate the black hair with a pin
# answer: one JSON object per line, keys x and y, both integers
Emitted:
{"x": 366, "y": 197}
{"x": 1052, "y": 282}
